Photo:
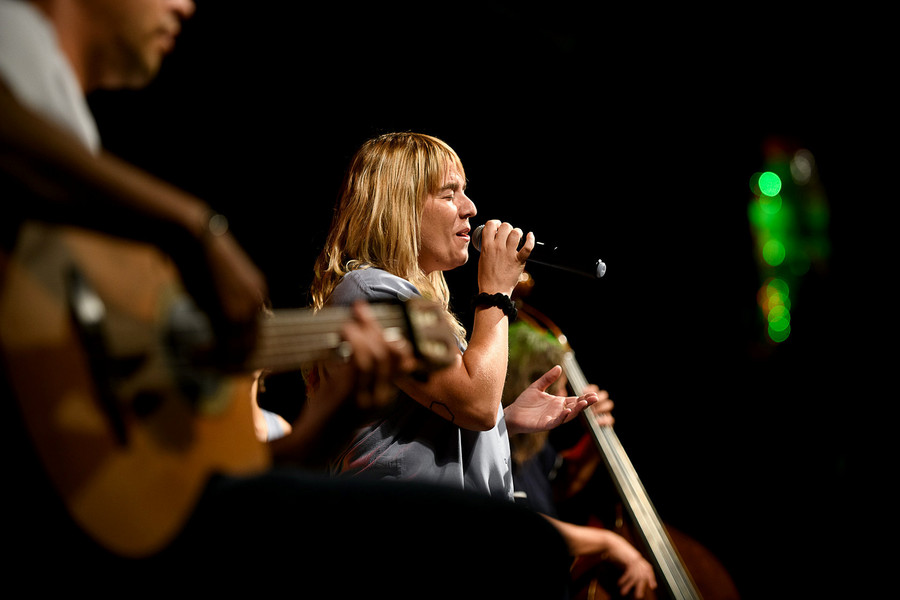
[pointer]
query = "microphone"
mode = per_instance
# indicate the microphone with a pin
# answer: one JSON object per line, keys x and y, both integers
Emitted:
{"x": 552, "y": 256}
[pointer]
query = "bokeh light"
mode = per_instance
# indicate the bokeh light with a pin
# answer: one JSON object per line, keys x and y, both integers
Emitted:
{"x": 789, "y": 218}
{"x": 769, "y": 184}
{"x": 773, "y": 252}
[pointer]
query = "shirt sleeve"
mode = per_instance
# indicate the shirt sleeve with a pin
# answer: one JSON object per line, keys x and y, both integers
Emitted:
{"x": 372, "y": 285}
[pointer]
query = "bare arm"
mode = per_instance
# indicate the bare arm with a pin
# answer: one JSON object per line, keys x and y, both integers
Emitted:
{"x": 469, "y": 392}
{"x": 637, "y": 574}
{"x": 67, "y": 184}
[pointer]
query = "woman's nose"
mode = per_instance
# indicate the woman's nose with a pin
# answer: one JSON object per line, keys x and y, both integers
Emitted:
{"x": 467, "y": 208}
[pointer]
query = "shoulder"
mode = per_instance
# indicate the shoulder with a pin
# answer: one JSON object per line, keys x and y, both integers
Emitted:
{"x": 372, "y": 285}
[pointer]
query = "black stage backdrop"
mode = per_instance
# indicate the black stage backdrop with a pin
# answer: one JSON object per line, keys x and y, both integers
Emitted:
{"x": 630, "y": 137}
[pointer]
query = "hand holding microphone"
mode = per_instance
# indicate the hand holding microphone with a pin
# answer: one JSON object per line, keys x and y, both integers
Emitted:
{"x": 502, "y": 260}
{"x": 551, "y": 256}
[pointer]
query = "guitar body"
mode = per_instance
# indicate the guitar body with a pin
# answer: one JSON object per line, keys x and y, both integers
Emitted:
{"x": 127, "y": 448}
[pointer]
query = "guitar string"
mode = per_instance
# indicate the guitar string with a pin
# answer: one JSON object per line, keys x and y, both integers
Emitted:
{"x": 294, "y": 336}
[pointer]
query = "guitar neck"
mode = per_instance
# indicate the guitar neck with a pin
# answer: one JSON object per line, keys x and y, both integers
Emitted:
{"x": 643, "y": 514}
{"x": 290, "y": 338}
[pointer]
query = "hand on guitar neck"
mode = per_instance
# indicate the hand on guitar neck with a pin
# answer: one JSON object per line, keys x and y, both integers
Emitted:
{"x": 361, "y": 383}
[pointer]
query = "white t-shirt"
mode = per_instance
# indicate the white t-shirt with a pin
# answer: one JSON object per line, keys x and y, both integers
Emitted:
{"x": 39, "y": 75}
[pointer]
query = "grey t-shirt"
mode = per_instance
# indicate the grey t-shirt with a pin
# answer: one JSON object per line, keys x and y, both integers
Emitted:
{"x": 412, "y": 442}
{"x": 37, "y": 72}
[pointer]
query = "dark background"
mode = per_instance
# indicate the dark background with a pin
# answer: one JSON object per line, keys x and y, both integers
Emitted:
{"x": 630, "y": 137}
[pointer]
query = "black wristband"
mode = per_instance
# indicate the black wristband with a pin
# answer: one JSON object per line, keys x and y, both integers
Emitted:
{"x": 501, "y": 301}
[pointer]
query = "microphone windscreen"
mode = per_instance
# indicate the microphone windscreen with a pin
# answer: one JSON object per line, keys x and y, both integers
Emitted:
{"x": 476, "y": 237}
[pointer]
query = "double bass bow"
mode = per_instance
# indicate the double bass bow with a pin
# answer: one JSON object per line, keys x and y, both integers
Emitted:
{"x": 673, "y": 577}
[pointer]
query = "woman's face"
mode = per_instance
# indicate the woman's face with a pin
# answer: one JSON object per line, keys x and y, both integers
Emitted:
{"x": 445, "y": 227}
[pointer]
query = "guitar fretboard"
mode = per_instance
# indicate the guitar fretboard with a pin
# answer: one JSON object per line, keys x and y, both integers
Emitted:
{"x": 290, "y": 338}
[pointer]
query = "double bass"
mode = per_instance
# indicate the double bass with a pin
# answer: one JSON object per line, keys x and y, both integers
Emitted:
{"x": 685, "y": 570}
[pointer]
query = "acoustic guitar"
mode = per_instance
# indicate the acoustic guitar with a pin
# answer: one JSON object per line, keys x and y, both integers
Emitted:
{"x": 104, "y": 351}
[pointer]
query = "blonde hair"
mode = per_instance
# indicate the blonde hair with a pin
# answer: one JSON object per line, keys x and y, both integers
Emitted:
{"x": 376, "y": 220}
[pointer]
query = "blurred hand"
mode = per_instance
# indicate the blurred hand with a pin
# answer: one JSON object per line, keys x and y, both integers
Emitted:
{"x": 603, "y": 407}
{"x": 637, "y": 575}
{"x": 367, "y": 375}
{"x": 347, "y": 392}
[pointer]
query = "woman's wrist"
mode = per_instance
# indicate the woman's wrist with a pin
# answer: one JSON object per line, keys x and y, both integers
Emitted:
{"x": 496, "y": 300}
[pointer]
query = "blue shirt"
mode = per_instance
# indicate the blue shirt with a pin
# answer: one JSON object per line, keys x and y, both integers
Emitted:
{"x": 412, "y": 442}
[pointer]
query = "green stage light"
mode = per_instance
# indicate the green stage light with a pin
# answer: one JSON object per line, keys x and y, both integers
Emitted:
{"x": 779, "y": 318}
{"x": 779, "y": 336}
{"x": 788, "y": 216}
{"x": 770, "y": 205}
{"x": 769, "y": 184}
{"x": 773, "y": 252}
